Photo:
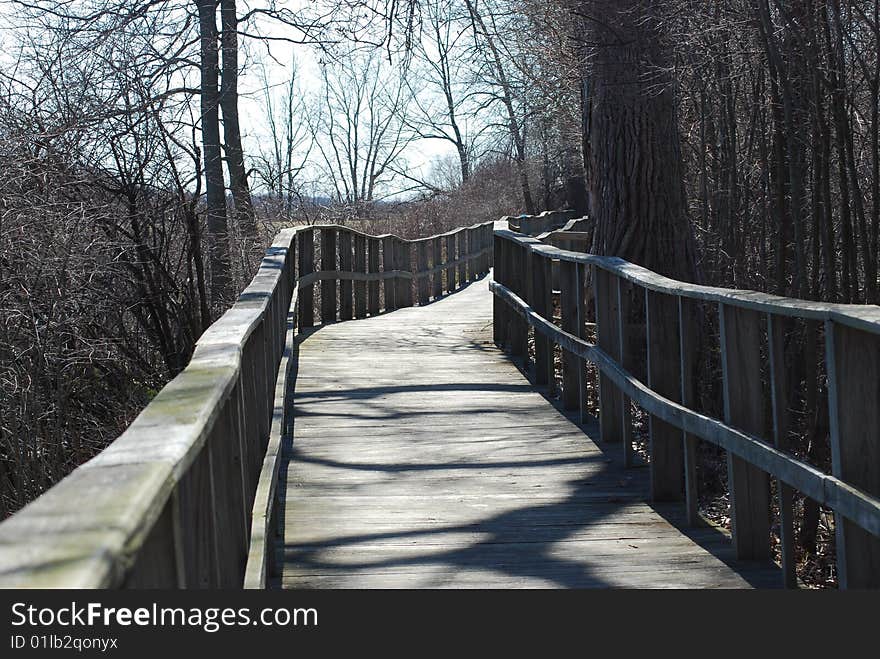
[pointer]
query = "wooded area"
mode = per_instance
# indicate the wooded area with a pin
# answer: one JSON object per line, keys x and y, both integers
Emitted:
{"x": 150, "y": 150}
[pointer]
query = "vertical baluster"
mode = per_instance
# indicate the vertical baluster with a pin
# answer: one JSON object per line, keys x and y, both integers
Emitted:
{"x": 450, "y": 257}
{"x": 373, "y": 267}
{"x": 568, "y": 302}
{"x": 306, "y": 266}
{"x": 461, "y": 238}
{"x": 687, "y": 328}
{"x": 389, "y": 259}
{"x": 664, "y": 369}
{"x": 628, "y": 360}
{"x": 605, "y": 287}
{"x": 346, "y": 309}
{"x": 437, "y": 260}
{"x": 423, "y": 283}
{"x": 779, "y": 410}
{"x": 404, "y": 284}
{"x": 744, "y": 409}
{"x": 328, "y": 286}
{"x": 360, "y": 287}
{"x": 853, "y": 366}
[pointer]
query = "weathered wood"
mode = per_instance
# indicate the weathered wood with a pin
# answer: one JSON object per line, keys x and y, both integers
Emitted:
{"x": 611, "y": 401}
{"x": 157, "y": 563}
{"x": 462, "y": 239}
{"x": 422, "y": 266}
{"x": 197, "y": 529}
{"x": 360, "y": 287}
{"x": 828, "y": 490}
{"x": 450, "y": 257}
{"x": 864, "y": 317}
{"x": 519, "y": 328}
{"x": 329, "y": 303}
{"x": 389, "y": 264}
{"x": 346, "y": 306}
{"x": 779, "y": 410}
{"x": 688, "y": 346}
{"x": 403, "y": 262}
{"x": 464, "y": 475}
{"x": 571, "y": 365}
{"x": 540, "y": 301}
{"x": 436, "y": 261}
{"x": 664, "y": 377}
{"x": 373, "y": 267}
{"x": 744, "y": 409}
{"x": 630, "y": 358}
{"x": 853, "y": 367}
{"x": 306, "y": 254}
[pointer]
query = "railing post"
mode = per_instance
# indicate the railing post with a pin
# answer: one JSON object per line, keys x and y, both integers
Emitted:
{"x": 664, "y": 369}
{"x": 688, "y": 345}
{"x": 389, "y": 260}
{"x": 779, "y": 410}
{"x": 499, "y": 308}
{"x": 608, "y": 335}
{"x": 346, "y": 310}
{"x": 462, "y": 252}
{"x": 629, "y": 359}
{"x": 437, "y": 260}
{"x": 360, "y": 265}
{"x": 328, "y": 286}
{"x": 423, "y": 283}
{"x": 373, "y": 266}
{"x": 306, "y": 254}
{"x": 569, "y": 303}
{"x": 541, "y": 303}
{"x": 450, "y": 258}
{"x": 404, "y": 284}
{"x": 853, "y": 366}
{"x": 744, "y": 409}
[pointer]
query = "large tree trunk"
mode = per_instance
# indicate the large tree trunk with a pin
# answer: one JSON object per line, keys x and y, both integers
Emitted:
{"x": 238, "y": 184}
{"x": 634, "y": 167}
{"x": 215, "y": 194}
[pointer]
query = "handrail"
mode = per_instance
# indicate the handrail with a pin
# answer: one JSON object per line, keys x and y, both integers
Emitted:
{"x": 750, "y": 325}
{"x": 186, "y": 496}
{"x": 860, "y": 316}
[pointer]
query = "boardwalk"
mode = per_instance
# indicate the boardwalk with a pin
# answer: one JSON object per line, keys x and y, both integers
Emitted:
{"x": 422, "y": 458}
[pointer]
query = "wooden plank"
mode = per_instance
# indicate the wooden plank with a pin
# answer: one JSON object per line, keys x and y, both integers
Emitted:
{"x": 744, "y": 409}
{"x": 373, "y": 267}
{"x": 625, "y": 341}
{"x": 605, "y": 286}
{"x": 437, "y": 260}
{"x": 360, "y": 287}
{"x": 450, "y": 257}
{"x": 329, "y": 305}
{"x": 306, "y": 254}
{"x": 423, "y": 284}
{"x": 389, "y": 264}
{"x": 541, "y": 297}
{"x": 462, "y": 239}
{"x": 346, "y": 307}
{"x": 571, "y": 364}
{"x": 403, "y": 262}
{"x": 779, "y": 410}
{"x": 853, "y": 366}
{"x": 688, "y": 346}
{"x": 664, "y": 377}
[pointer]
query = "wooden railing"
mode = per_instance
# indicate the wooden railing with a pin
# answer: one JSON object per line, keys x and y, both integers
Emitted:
{"x": 652, "y": 366}
{"x": 187, "y": 496}
{"x": 534, "y": 225}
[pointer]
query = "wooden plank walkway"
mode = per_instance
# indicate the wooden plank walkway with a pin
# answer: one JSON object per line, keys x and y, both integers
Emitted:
{"x": 422, "y": 458}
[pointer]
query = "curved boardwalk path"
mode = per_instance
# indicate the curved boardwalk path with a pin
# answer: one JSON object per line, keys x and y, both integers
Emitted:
{"x": 422, "y": 458}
